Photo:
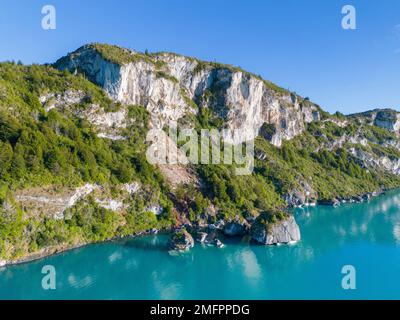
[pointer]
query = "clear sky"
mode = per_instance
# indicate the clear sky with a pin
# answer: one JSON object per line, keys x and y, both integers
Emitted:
{"x": 298, "y": 44}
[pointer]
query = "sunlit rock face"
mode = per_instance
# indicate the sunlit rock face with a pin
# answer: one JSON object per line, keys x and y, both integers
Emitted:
{"x": 168, "y": 84}
{"x": 133, "y": 83}
{"x": 284, "y": 231}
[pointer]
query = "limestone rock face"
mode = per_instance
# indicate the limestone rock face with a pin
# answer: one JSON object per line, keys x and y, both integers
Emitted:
{"x": 384, "y": 118}
{"x": 136, "y": 83}
{"x": 169, "y": 84}
{"x": 389, "y": 120}
{"x": 284, "y": 231}
{"x": 373, "y": 161}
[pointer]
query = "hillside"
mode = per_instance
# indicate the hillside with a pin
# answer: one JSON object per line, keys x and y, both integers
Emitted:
{"x": 73, "y": 166}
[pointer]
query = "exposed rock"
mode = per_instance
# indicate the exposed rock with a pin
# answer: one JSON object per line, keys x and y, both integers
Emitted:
{"x": 243, "y": 100}
{"x": 107, "y": 123}
{"x": 218, "y": 243}
{"x": 373, "y": 161}
{"x": 79, "y": 194}
{"x": 211, "y": 235}
{"x": 37, "y": 200}
{"x": 357, "y": 199}
{"x": 110, "y": 136}
{"x": 384, "y": 118}
{"x": 302, "y": 195}
{"x": 219, "y": 224}
{"x": 388, "y": 119}
{"x": 136, "y": 83}
{"x": 105, "y": 119}
{"x": 132, "y": 188}
{"x": 181, "y": 240}
{"x": 296, "y": 198}
{"x": 3, "y": 263}
{"x": 65, "y": 99}
{"x": 270, "y": 233}
{"x": 171, "y": 160}
{"x": 367, "y": 196}
{"x": 156, "y": 209}
{"x": 110, "y": 204}
{"x": 201, "y": 237}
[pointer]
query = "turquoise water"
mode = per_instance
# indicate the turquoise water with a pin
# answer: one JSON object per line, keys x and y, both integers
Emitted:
{"x": 366, "y": 236}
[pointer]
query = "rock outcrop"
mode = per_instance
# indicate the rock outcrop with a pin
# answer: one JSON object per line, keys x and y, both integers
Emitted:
{"x": 181, "y": 240}
{"x": 384, "y": 118}
{"x": 370, "y": 160}
{"x": 270, "y": 233}
{"x": 167, "y": 84}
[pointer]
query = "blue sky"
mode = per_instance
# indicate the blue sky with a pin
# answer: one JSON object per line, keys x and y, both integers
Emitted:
{"x": 298, "y": 44}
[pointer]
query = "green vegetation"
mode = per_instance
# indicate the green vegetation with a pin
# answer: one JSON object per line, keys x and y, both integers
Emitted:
{"x": 122, "y": 56}
{"x": 39, "y": 148}
{"x": 275, "y": 87}
{"x": 164, "y": 75}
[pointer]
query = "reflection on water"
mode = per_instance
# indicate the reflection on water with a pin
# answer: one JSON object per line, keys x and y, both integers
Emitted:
{"x": 155, "y": 243}
{"x": 364, "y": 235}
{"x": 353, "y": 222}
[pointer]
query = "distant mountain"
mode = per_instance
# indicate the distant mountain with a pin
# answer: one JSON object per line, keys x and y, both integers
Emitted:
{"x": 73, "y": 167}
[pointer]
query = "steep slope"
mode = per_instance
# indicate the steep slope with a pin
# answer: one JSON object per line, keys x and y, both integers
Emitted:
{"x": 73, "y": 166}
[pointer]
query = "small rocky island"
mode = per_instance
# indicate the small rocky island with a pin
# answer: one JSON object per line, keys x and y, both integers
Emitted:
{"x": 181, "y": 240}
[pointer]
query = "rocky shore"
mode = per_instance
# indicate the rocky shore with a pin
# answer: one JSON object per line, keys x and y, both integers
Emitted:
{"x": 335, "y": 202}
{"x": 261, "y": 230}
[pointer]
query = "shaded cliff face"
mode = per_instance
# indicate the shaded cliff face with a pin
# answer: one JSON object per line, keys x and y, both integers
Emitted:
{"x": 386, "y": 118}
{"x": 168, "y": 84}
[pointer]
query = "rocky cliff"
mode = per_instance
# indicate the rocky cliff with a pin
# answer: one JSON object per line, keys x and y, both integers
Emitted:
{"x": 168, "y": 84}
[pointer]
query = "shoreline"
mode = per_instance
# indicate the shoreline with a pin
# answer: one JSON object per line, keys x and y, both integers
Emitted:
{"x": 56, "y": 250}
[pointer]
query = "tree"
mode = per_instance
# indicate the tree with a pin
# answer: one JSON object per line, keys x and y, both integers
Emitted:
{"x": 6, "y": 157}
{"x": 18, "y": 167}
